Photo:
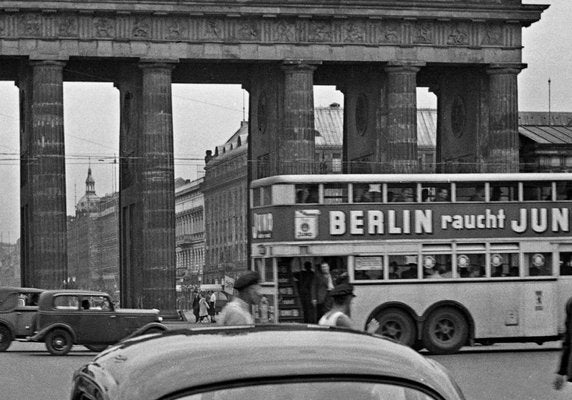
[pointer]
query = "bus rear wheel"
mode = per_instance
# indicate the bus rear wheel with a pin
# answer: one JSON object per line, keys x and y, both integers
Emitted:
{"x": 445, "y": 331}
{"x": 397, "y": 325}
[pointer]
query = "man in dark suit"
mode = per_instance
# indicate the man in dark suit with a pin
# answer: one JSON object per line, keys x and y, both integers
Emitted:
{"x": 564, "y": 372}
{"x": 305, "y": 283}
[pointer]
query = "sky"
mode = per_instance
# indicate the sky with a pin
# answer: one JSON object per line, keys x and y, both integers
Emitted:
{"x": 205, "y": 116}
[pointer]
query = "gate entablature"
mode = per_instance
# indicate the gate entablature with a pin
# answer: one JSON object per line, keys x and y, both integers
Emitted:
{"x": 378, "y": 30}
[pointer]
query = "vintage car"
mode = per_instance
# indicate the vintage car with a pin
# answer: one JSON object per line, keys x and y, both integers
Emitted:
{"x": 18, "y": 309}
{"x": 282, "y": 362}
{"x": 89, "y": 318}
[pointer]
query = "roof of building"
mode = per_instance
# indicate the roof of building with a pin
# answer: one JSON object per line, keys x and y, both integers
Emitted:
{"x": 329, "y": 122}
{"x": 546, "y": 128}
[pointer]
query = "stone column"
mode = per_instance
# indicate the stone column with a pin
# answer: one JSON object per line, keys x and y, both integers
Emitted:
{"x": 157, "y": 188}
{"x": 296, "y": 149}
{"x": 503, "y": 154}
{"x": 43, "y": 201}
{"x": 402, "y": 117}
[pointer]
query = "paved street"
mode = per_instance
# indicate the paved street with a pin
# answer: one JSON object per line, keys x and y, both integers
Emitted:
{"x": 501, "y": 372}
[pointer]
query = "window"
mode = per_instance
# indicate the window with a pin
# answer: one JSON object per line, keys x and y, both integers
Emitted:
{"x": 264, "y": 268}
{"x": 566, "y": 263}
{"x": 366, "y": 192}
{"x": 368, "y": 268}
{"x": 563, "y": 191}
{"x": 501, "y": 191}
{"x": 436, "y": 192}
{"x": 335, "y": 193}
{"x": 471, "y": 265}
{"x": 66, "y": 302}
{"x": 504, "y": 260}
{"x": 97, "y": 303}
{"x": 403, "y": 266}
{"x": 537, "y": 191}
{"x": 401, "y": 193}
{"x": 470, "y": 191}
{"x": 307, "y": 193}
{"x": 538, "y": 264}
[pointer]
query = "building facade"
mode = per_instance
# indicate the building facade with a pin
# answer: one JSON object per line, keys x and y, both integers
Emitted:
{"x": 190, "y": 238}
{"x": 93, "y": 242}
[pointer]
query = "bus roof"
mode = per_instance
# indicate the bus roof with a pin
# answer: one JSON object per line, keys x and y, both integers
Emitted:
{"x": 402, "y": 178}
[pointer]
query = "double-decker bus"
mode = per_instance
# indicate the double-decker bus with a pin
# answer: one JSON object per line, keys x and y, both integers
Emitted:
{"x": 440, "y": 260}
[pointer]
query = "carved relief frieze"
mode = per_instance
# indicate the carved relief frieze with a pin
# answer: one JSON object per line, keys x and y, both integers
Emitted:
{"x": 354, "y": 32}
{"x": 389, "y": 32}
{"x": 248, "y": 30}
{"x": 104, "y": 27}
{"x": 30, "y": 25}
{"x": 320, "y": 31}
{"x": 492, "y": 35}
{"x": 423, "y": 33}
{"x": 283, "y": 31}
{"x": 213, "y": 29}
{"x": 233, "y": 29}
{"x": 141, "y": 28}
{"x": 176, "y": 29}
{"x": 458, "y": 35}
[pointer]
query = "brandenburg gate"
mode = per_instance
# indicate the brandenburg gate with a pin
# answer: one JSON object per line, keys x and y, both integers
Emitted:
{"x": 377, "y": 52}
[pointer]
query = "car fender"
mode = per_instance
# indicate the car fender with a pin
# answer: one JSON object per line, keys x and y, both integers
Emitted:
{"x": 41, "y": 334}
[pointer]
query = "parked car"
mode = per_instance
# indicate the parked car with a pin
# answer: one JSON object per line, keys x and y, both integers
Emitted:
{"x": 282, "y": 362}
{"x": 89, "y": 318}
{"x": 18, "y": 309}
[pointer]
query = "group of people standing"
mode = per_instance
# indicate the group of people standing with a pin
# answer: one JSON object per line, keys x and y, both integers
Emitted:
{"x": 204, "y": 307}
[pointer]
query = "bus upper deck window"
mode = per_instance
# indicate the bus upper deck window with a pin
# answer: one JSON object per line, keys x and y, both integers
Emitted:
{"x": 563, "y": 191}
{"x": 470, "y": 191}
{"x": 335, "y": 193}
{"x": 436, "y": 192}
{"x": 366, "y": 192}
{"x": 537, "y": 191}
{"x": 307, "y": 193}
{"x": 401, "y": 193}
{"x": 504, "y": 191}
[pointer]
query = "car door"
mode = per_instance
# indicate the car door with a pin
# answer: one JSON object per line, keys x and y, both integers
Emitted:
{"x": 98, "y": 321}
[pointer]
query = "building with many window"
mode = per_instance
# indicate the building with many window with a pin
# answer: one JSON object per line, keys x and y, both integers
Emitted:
{"x": 93, "y": 245}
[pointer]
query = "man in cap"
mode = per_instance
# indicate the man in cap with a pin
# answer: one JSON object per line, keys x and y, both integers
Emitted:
{"x": 237, "y": 311}
{"x": 339, "y": 314}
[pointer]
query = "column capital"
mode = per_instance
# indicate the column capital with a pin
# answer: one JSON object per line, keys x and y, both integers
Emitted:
{"x": 56, "y": 63}
{"x": 289, "y": 65}
{"x": 404, "y": 66}
{"x": 515, "y": 69}
{"x": 157, "y": 64}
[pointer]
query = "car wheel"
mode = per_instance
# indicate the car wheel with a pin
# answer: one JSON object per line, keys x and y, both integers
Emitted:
{"x": 445, "y": 331}
{"x": 59, "y": 342}
{"x": 98, "y": 348}
{"x": 397, "y": 325}
{"x": 5, "y": 338}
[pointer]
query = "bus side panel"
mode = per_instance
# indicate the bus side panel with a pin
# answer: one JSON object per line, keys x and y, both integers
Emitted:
{"x": 500, "y": 309}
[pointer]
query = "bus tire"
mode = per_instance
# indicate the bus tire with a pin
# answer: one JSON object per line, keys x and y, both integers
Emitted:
{"x": 445, "y": 331}
{"x": 397, "y": 325}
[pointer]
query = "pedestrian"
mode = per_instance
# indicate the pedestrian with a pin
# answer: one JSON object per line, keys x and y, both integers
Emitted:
{"x": 238, "y": 310}
{"x": 305, "y": 286}
{"x": 203, "y": 308}
{"x": 212, "y": 305}
{"x": 196, "y": 307}
{"x": 323, "y": 283}
{"x": 564, "y": 372}
{"x": 339, "y": 314}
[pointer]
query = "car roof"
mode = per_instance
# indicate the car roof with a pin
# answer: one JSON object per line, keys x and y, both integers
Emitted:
{"x": 152, "y": 366}
{"x": 6, "y": 291}
{"x": 77, "y": 292}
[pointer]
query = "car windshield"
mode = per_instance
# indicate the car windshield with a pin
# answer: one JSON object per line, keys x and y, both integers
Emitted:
{"x": 330, "y": 390}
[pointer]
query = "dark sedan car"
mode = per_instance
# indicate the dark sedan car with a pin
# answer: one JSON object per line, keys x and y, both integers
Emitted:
{"x": 283, "y": 362}
{"x": 18, "y": 309}
{"x": 89, "y": 318}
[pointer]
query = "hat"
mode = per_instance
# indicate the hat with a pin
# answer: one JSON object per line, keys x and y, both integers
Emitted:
{"x": 247, "y": 279}
{"x": 343, "y": 289}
